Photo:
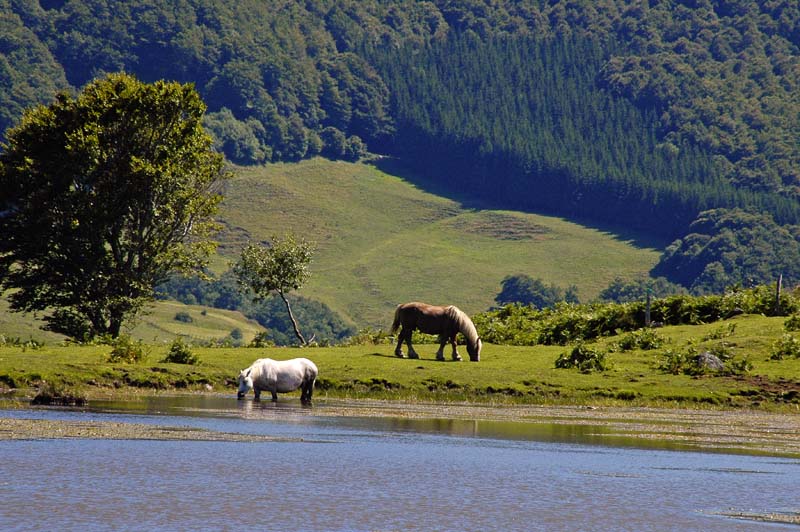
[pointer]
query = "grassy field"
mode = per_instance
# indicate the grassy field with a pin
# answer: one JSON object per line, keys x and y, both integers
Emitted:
{"x": 382, "y": 241}
{"x": 504, "y": 375}
{"x": 158, "y": 324}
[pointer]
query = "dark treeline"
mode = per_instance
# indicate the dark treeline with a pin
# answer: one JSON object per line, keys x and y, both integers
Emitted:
{"x": 645, "y": 114}
{"x": 523, "y": 121}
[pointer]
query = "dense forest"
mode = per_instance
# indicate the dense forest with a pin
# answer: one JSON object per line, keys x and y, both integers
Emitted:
{"x": 647, "y": 114}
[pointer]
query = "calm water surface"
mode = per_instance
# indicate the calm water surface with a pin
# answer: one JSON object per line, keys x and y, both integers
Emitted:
{"x": 364, "y": 474}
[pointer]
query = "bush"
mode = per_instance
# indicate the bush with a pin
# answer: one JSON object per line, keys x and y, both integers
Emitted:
{"x": 792, "y": 323}
{"x": 54, "y": 393}
{"x": 584, "y": 358}
{"x": 368, "y": 337}
{"x": 787, "y": 346}
{"x": 124, "y": 349}
{"x": 689, "y": 362}
{"x": 262, "y": 339}
{"x": 183, "y": 317}
{"x": 180, "y": 353}
{"x": 644, "y": 339}
{"x": 565, "y": 323}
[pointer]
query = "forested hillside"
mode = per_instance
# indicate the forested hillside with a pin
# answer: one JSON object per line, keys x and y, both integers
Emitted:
{"x": 640, "y": 113}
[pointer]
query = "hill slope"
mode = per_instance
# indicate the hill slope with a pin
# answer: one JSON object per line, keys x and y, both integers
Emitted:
{"x": 382, "y": 241}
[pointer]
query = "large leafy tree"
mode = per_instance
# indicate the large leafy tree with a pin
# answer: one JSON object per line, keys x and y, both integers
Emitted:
{"x": 101, "y": 197}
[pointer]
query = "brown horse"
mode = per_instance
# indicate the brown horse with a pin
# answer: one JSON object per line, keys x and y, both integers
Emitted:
{"x": 447, "y": 322}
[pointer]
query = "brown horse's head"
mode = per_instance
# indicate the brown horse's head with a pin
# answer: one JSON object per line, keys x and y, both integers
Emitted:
{"x": 474, "y": 350}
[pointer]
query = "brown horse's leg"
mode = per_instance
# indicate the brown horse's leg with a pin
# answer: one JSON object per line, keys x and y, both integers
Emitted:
{"x": 411, "y": 352}
{"x": 440, "y": 352}
{"x": 456, "y": 356}
{"x": 398, "y": 351}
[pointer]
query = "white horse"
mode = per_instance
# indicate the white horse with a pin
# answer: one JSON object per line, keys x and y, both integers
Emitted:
{"x": 276, "y": 376}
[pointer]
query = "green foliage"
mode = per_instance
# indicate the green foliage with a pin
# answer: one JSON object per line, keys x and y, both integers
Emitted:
{"x": 622, "y": 291}
{"x": 262, "y": 340}
{"x": 584, "y": 358}
{"x": 644, "y": 339}
{"x": 281, "y": 268}
{"x": 645, "y": 114}
{"x": 787, "y": 346}
{"x": 676, "y": 362}
{"x": 525, "y": 290}
{"x": 103, "y": 195}
{"x": 568, "y": 147}
{"x": 124, "y": 349}
{"x": 180, "y": 353}
{"x": 183, "y": 317}
{"x": 222, "y": 292}
{"x": 792, "y": 323}
{"x": 688, "y": 361}
{"x": 57, "y": 393}
{"x": 565, "y": 323}
{"x": 369, "y": 337}
{"x": 728, "y": 247}
{"x": 723, "y": 331}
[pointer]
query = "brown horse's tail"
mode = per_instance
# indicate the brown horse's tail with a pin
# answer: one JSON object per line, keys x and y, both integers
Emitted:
{"x": 396, "y": 322}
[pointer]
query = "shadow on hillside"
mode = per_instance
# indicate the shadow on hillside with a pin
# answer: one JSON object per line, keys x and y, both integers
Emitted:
{"x": 396, "y": 167}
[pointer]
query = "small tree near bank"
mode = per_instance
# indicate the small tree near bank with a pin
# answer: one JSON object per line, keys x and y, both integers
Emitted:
{"x": 101, "y": 197}
{"x": 280, "y": 268}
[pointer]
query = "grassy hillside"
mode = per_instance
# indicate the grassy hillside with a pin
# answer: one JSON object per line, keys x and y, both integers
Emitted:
{"x": 157, "y": 325}
{"x": 382, "y": 241}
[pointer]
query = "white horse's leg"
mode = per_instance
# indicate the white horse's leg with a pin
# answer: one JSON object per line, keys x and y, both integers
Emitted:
{"x": 257, "y": 393}
{"x": 274, "y": 397}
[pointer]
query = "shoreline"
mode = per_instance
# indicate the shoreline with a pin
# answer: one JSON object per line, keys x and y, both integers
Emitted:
{"x": 733, "y": 431}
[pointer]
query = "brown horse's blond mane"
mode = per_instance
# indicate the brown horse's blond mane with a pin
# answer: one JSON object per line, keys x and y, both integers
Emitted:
{"x": 463, "y": 323}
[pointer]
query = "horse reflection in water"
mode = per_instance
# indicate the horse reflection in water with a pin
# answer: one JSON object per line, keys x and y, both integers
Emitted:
{"x": 277, "y": 376}
{"x": 447, "y": 322}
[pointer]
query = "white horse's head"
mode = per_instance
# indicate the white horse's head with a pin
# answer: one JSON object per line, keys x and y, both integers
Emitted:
{"x": 245, "y": 383}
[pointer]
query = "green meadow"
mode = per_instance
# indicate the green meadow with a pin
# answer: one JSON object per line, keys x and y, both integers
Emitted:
{"x": 505, "y": 374}
{"x": 383, "y": 241}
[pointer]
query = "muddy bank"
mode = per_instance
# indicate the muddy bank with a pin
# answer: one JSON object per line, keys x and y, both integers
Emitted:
{"x": 40, "y": 429}
{"x": 751, "y": 432}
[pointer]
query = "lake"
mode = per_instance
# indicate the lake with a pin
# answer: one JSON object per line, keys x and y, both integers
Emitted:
{"x": 361, "y": 474}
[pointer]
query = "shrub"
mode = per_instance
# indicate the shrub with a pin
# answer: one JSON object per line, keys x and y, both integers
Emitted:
{"x": 644, "y": 339}
{"x": 787, "y": 346}
{"x": 183, "y": 317}
{"x": 124, "y": 349}
{"x": 180, "y": 353}
{"x": 54, "y": 393}
{"x": 262, "y": 339}
{"x": 689, "y": 362}
{"x": 674, "y": 362}
{"x": 792, "y": 323}
{"x": 584, "y": 358}
{"x": 723, "y": 331}
{"x": 368, "y": 337}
